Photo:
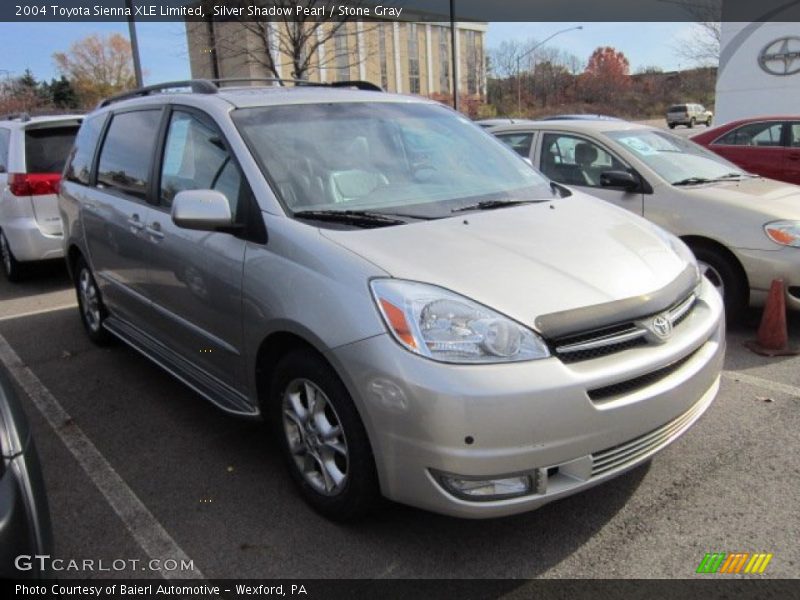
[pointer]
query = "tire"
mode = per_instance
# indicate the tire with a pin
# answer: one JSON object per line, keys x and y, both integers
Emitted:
{"x": 90, "y": 304}
{"x": 347, "y": 488}
{"x": 12, "y": 268}
{"x": 671, "y": 125}
{"x": 692, "y": 123}
{"x": 722, "y": 271}
{"x": 708, "y": 123}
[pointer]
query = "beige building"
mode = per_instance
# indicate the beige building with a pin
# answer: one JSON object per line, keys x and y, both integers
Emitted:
{"x": 404, "y": 57}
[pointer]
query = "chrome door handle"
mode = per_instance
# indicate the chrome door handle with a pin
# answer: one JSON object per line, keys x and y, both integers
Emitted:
{"x": 154, "y": 231}
{"x": 135, "y": 223}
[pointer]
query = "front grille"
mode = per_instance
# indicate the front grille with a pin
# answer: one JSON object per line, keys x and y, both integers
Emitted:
{"x": 632, "y": 385}
{"x": 616, "y": 338}
{"x": 629, "y": 452}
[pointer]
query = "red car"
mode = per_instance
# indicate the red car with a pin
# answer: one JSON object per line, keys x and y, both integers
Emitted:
{"x": 766, "y": 146}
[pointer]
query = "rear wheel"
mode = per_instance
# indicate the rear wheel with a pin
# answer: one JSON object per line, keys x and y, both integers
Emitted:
{"x": 12, "y": 268}
{"x": 708, "y": 122}
{"x": 671, "y": 125}
{"x": 692, "y": 122}
{"x": 322, "y": 437}
{"x": 725, "y": 276}
{"x": 90, "y": 303}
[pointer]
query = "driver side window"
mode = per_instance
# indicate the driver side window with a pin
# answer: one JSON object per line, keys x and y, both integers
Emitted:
{"x": 195, "y": 158}
{"x": 573, "y": 160}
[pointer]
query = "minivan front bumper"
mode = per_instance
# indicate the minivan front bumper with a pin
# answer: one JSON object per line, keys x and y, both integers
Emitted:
{"x": 427, "y": 418}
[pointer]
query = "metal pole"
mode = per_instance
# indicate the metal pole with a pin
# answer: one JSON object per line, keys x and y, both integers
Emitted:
{"x": 137, "y": 64}
{"x": 453, "y": 34}
{"x": 519, "y": 87}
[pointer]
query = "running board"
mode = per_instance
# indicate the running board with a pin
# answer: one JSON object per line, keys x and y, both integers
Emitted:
{"x": 213, "y": 390}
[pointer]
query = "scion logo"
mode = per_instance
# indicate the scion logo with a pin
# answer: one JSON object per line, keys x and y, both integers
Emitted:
{"x": 781, "y": 57}
{"x": 734, "y": 562}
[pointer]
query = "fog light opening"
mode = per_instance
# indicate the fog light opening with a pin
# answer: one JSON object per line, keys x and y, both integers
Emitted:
{"x": 487, "y": 489}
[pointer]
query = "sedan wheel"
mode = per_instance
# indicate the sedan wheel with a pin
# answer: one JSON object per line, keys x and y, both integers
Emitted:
{"x": 713, "y": 276}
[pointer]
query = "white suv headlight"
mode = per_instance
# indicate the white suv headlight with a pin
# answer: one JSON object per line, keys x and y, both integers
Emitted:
{"x": 444, "y": 326}
{"x": 785, "y": 233}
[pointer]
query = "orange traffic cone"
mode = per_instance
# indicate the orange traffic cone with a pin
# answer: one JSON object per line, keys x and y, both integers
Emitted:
{"x": 773, "y": 337}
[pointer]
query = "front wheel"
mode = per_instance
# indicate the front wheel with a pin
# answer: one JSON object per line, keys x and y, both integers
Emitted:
{"x": 90, "y": 304}
{"x": 322, "y": 437}
{"x": 11, "y": 266}
{"x": 726, "y": 277}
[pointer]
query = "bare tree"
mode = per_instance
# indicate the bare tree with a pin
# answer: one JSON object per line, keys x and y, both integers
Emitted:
{"x": 302, "y": 45}
{"x": 703, "y": 47}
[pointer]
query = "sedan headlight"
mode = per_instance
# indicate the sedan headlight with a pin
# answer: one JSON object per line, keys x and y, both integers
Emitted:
{"x": 785, "y": 233}
{"x": 444, "y": 326}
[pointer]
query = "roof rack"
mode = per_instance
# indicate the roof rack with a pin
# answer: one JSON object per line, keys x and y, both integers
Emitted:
{"x": 358, "y": 84}
{"x": 198, "y": 86}
{"x": 22, "y": 116}
{"x": 212, "y": 86}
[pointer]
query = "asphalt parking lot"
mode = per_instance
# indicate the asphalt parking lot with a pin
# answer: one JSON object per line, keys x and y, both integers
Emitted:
{"x": 217, "y": 488}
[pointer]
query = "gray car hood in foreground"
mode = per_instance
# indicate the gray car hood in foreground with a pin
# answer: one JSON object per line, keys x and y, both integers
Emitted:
{"x": 530, "y": 260}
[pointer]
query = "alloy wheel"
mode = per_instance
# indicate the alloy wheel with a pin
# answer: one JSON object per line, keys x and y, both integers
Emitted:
{"x": 315, "y": 437}
{"x": 90, "y": 300}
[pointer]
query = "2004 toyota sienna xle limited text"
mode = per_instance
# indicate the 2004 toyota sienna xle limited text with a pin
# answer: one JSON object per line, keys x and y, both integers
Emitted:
{"x": 417, "y": 311}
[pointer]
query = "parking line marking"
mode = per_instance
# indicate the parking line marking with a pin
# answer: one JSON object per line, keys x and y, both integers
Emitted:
{"x": 773, "y": 386}
{"x": 41, "y": 311}
{"x": 140, "y": 522}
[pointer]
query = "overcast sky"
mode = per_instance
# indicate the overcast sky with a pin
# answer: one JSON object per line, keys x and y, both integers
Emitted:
{"x": 164, "y": 56}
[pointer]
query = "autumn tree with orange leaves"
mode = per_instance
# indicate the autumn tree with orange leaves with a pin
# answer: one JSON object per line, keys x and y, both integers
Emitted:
{"x": 607, "y": 74}
{"x": 97, "y": 66}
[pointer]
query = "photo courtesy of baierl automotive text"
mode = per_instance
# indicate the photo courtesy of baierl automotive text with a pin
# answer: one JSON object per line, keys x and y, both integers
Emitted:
{"x": 423, "y": 298}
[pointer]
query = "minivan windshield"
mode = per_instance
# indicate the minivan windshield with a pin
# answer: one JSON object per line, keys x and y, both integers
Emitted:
{"x": 678, "y": 160}
{"x": 389, "y": 158}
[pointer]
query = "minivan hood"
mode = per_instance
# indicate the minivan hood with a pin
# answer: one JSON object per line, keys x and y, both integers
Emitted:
{"x": 529, "y": 260}
{"x": 767, "y": 196}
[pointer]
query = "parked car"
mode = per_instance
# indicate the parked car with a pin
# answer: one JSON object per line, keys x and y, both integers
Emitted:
{"x": 486, "y": 123}
{"x": 767, "y": 146}
{"x": 417, "y": 311}
{"x": 689, "y": 115}
{"x": 24, "y": 514}
{"x": 580, "y": 117}
{"x": 744, "y": 230}
{"x": 32, "y": 154}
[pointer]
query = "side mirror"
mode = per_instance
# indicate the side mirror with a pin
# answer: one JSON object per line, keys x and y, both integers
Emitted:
{"x": 619, "y": 179}
{"x": 204, "y": 210}
{"x": 527, "y": 160}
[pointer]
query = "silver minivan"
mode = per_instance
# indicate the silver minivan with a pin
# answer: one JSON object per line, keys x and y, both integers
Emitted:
{"x": 417, "y": 311}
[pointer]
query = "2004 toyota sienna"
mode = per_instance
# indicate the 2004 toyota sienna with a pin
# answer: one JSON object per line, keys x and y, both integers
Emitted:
{"x": 417, "y": 311}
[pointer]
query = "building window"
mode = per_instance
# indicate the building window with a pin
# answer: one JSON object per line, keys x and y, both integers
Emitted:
{"x": 473, "y": 61}
{"x": 413, "y": 59}
{"x": 342, "y": 56}
{"x": 382, "y": 51}
{"x": 444, "y": 60}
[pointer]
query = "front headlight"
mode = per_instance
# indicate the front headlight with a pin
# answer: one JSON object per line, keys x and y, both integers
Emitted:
{"x": 444, "y": 326}
{"x": 785, "y": 233}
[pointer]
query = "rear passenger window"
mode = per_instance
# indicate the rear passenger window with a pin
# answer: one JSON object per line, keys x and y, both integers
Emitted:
{"x": 753, "y": 134}
{"x": 128, "y": 151}
{"x": 195, "y": 158}
{"x": 79, "y": 166}
{"x": 46, "y": 148}
{"x": 519, "y": 142}
{"x": 5, "y": 134}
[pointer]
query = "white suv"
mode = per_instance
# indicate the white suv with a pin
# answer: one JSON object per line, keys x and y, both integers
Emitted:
{"x": 32, "y": 155}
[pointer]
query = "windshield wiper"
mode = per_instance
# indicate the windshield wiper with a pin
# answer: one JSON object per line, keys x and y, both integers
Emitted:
{"x": 732, "y": 176}
{"x": 361, "y": 218}
{"x": 692, "y": 181}
{"x": 492, "y": 204}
